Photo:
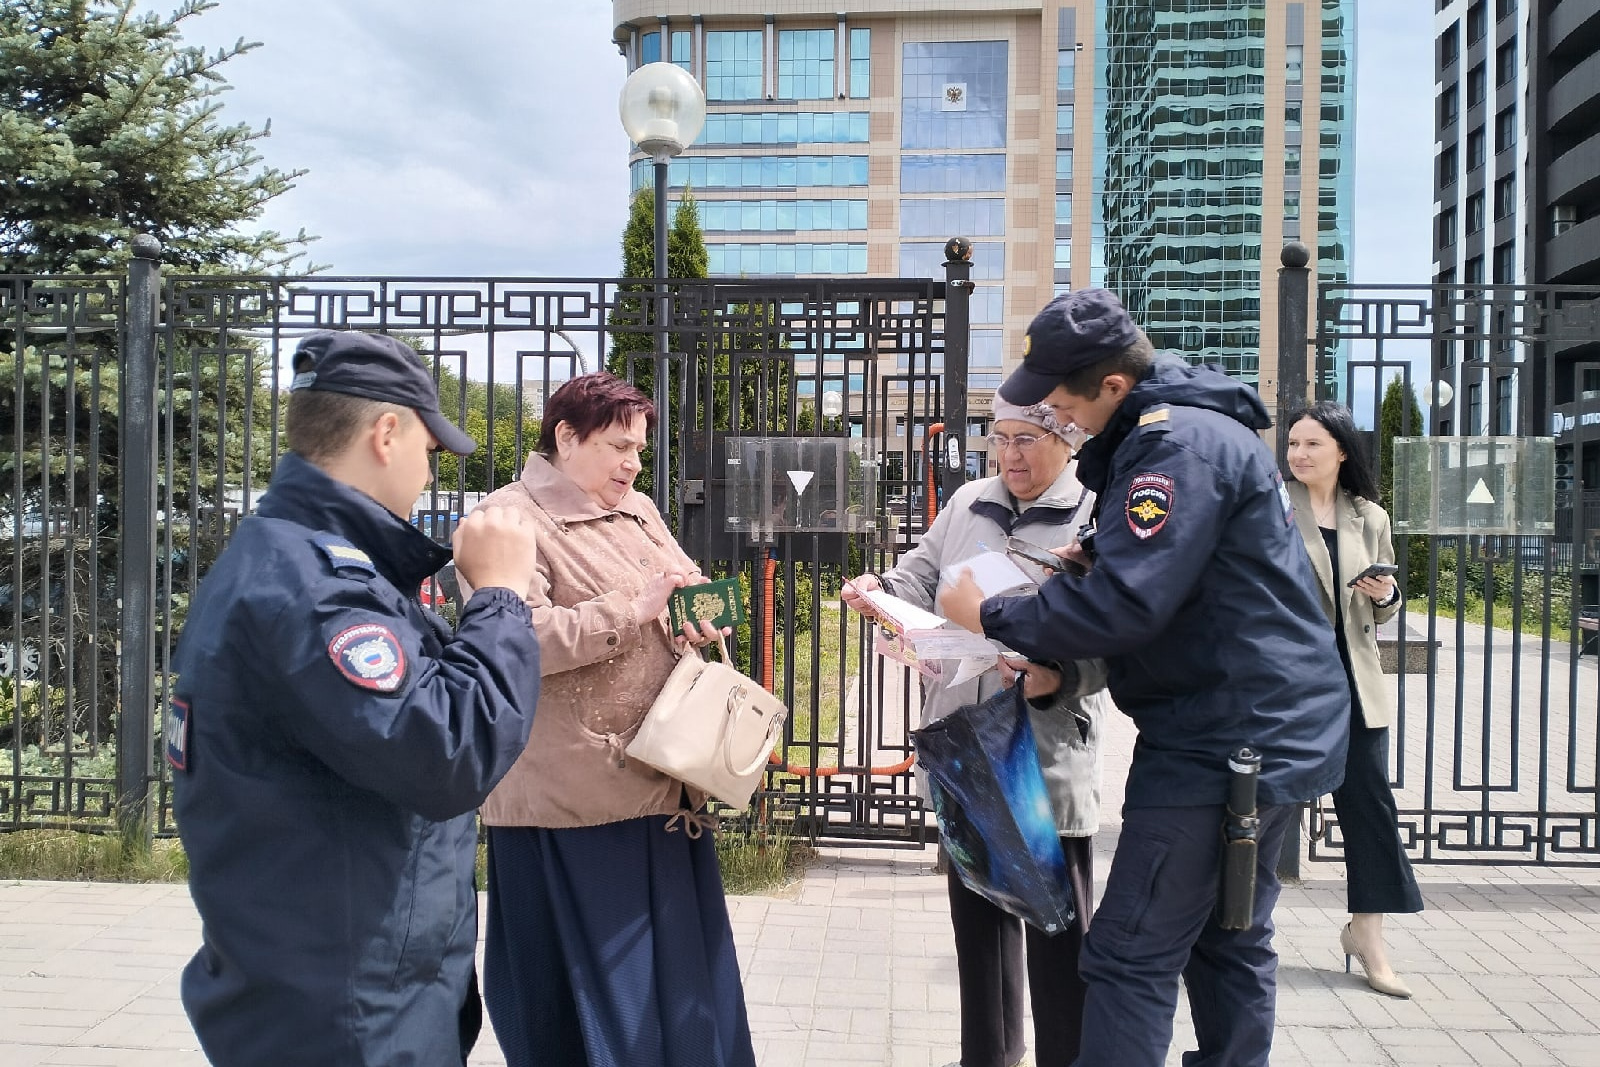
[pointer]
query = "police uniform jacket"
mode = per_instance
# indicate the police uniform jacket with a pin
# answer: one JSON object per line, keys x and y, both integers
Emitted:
{"x": 1067, "y": 729}
{"x": 330, "y": 738}
{"x": 1201, "y": 599}
{"x": 603, "y": 666}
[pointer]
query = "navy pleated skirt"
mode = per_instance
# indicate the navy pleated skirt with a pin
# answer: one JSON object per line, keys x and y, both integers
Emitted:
{"x": 609, "y": 946}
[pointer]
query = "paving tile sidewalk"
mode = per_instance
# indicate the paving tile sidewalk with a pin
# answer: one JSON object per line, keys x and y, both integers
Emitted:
{"x": 857, "y": 967}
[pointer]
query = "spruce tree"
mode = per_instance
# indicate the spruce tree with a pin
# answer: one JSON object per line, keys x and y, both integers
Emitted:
{"x": 110, "y": 127}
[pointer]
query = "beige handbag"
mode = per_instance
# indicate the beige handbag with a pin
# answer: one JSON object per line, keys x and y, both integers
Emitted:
{"x": 711, "y": 727}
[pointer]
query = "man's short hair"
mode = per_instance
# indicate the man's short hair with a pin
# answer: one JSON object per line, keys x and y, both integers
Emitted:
{"x": 1135, "y": 361}
{"x": 322, "y": 425}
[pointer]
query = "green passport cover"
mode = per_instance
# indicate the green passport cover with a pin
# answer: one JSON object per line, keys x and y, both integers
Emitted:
{"x": 715, "y": 602}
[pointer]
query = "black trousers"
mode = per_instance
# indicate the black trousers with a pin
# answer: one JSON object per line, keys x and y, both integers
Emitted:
{"x": 1378, "y": 872}
{"x": 989, "y": 964}
{"x": 1157, "y": 921}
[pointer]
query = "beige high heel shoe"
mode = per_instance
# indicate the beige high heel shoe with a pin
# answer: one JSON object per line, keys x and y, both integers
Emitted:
{"x": 1391, "y": 986}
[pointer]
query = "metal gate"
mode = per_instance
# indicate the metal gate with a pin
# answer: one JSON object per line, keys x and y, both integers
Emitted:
{"x": 143, "y": 418}
{"x": 1495, "y": 749}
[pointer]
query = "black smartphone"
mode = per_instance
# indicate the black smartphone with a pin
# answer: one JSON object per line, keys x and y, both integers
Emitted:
{"x": 1042, "y": 557}
{"x": 1377, "y": 570}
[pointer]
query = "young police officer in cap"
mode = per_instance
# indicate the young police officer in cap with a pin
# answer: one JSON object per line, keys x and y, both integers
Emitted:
{"x": 1202, "y": 601}
{"x": 330, "y": 737}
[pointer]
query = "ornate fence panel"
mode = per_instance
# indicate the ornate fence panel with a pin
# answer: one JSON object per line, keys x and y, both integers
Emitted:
{"x": 1495, "y": 749}
{"x": 741, "y": 362}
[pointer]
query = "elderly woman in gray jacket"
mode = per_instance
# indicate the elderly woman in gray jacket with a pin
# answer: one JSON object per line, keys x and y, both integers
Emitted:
{"x": 1036, "y": 498}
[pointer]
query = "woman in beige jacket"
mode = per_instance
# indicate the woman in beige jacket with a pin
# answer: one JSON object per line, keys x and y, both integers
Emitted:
{"x": 607, "y": 941}
{"x": 1345, "y": 531}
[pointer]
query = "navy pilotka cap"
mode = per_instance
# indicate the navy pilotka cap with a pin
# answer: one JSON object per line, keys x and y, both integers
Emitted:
{"x": 1075, "y": 330}
{"x": 376, "y": 367}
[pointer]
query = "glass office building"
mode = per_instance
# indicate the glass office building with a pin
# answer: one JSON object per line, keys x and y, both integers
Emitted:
{"x": 1166, "y": 149}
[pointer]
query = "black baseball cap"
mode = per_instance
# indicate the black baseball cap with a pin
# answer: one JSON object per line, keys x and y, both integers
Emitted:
{"x": 377, "y": 367}
{"x": 1075, "y": 330}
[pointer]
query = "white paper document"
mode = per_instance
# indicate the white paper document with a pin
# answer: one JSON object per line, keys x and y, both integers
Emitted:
{"x": 994, "y": 572}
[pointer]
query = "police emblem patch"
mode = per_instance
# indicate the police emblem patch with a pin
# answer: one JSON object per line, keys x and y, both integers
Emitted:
{"x": 370, "y": 656}
{"x": 1149, "y": 504}
{"x": 175, "y": 730}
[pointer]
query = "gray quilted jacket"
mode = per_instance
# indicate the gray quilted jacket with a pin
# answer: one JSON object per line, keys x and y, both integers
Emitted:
{"x": 985, "y": 511}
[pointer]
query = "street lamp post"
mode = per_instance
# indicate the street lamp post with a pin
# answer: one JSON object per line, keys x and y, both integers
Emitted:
{"x": 663, "y": 109}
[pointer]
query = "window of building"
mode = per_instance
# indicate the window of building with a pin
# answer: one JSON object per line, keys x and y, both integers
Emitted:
{"x": 1503, "y": 411}
{"x": 805, "y": 64}
{"x": 1063, "y": 255}
{"x": 1450, "y": 45}
{"x": 1505, "y": 197}
{"x": 1291, "y": 203}
{"x": 1475, "y": 148}
{"x": 947, "y": 218}
{"x": 952, "y": 174}
{"x": 1505, "y": 263}
{"x": 1066, "y": 69}
{"x": 1291, "y": 161}
{"x": 1448, "y": 166}
{"x": 1294, "y": 59}
{"x": 1504, "y": 9}
{"x": 926, "y": 260}
{"x": 1475, "y": 408}
{"x": 954, "y": 94}
{"x": 1477, "y": 22}
{"x": 1472, "y": 271}
{"x": 805, "y": 258}
{"x": 1477, "y": 85}
{"x": 860, "y": 64}
{"x": 682, "y": 42}
{"x": 1064, "y": 120}
{"x": 1474, "y": 213}
{"x": 1505, "y": 130}
{"x": 1447, "y": 227}
{"x": 1063, "y": 210}
{"x": 1505, "y": 63}
{"x": 649, "y": 48}
{"x": 1064, "y": 166}
{"x": 733, "y": 65}
{"x": 987, "y": 304}
{"x": 1449, "y": 105}
{"x": 1291, "y": 118}
{"x": 780, "y": 216}
{"x": 756, "y": 172}
{"x": 788, "y": 127}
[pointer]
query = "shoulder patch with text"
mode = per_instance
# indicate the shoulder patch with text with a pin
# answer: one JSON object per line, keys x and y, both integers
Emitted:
{"x": 1283, "y": 497}
{"x": 370, "y": 656}
{"x": 175, "y": 731}
{"x": 1149, "y": 504}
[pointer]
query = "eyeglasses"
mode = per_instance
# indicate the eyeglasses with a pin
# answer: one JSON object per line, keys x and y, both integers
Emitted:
{"x": 1024, "y": 441}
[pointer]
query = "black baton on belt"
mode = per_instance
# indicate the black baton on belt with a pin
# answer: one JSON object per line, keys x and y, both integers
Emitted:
{"x": 1239, "y": 830}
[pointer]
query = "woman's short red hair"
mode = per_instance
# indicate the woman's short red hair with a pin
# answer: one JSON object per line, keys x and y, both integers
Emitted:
{"x": 592, "y": 402}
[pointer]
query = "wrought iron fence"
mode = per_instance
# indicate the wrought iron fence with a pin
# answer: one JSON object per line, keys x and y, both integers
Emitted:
{"x": 1495, "y": 746}
{"x": 145, "y": 417}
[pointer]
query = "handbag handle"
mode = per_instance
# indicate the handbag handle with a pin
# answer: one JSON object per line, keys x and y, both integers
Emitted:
{"x": 735, "y": 698}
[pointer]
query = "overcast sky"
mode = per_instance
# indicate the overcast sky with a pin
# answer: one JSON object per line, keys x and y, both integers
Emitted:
{"x": 482, "y": 138}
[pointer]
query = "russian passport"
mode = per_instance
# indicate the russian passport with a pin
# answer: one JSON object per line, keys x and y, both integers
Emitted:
{"x": 715, "y": 602}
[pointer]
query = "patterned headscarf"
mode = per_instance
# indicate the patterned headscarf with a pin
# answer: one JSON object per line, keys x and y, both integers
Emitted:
{"x": 1041, "y": 416}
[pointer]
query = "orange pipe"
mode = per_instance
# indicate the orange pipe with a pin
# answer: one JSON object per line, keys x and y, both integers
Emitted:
{"x": 776, "y": 764}
{"x": 930, "y": 501}
{"x": 769, "y": 617}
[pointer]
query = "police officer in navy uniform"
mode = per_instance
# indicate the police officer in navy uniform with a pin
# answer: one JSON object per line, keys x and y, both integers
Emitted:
{"x": 1202, "y": 601}
{"x": 330, "y": 737}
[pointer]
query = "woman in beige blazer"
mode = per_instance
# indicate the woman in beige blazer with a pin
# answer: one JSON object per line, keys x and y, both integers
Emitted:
{"x": 1345, "y": 531}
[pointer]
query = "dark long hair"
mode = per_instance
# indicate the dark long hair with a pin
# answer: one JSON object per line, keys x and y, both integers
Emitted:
{"x": 1355, "y": 473}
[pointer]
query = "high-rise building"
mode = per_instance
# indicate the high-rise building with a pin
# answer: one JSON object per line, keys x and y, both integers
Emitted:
{"x": 1166, "y": 149}
{"x": 1517, "y": 201}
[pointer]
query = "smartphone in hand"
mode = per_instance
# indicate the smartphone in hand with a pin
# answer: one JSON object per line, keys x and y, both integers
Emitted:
{"x": 1377, "y": 570}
